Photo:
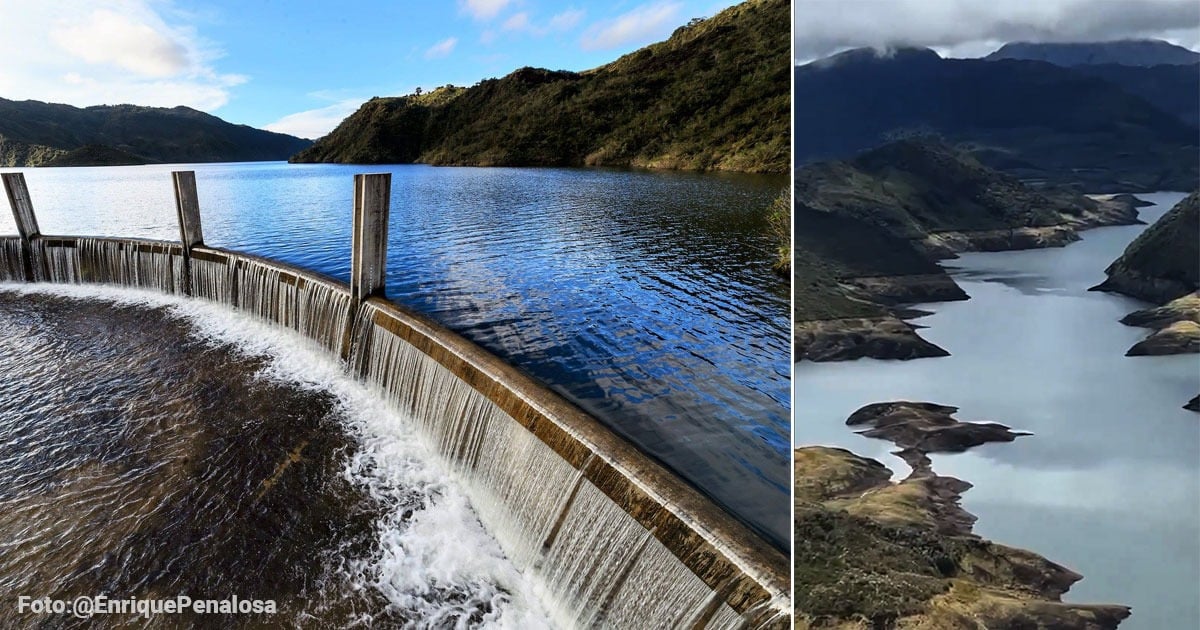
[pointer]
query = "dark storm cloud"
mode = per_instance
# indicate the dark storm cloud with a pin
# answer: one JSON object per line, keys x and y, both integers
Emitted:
{"x": 975, "y": 27}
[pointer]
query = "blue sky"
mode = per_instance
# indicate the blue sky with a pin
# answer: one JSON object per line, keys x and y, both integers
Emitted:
{"x": 300, "y": 67}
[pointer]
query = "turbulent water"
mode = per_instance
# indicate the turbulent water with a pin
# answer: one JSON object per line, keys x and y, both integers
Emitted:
{"x": 155, "y": 446}
{"x": 1109, "y": 482}
{"x": 645, "y": 298}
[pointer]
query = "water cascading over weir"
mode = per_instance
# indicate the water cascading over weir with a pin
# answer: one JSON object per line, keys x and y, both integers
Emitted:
{"x": 611, "y": 536}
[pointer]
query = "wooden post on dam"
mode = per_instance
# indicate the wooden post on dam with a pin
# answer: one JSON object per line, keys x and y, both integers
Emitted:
{"x": 368, "y": 244}
{"x": 368, "y": 241}
{"x": 187, "y": 207}
{"x": 22, "y": 209}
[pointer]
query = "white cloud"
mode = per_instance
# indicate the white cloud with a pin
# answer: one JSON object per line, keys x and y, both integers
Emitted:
{"x": 973, "y": 27}
{"x": 483, "y": 9}
{"x": 566, "y": 20}
{"x": 517, "y": 22}
{"x": 559, "y": 23}
{"x": 641, "y": 25}
{"x": 124, "y": 41}
{"x": 91, "y": 52}
{"x": 442, "y": 48}
{"x": 314, "y": 123}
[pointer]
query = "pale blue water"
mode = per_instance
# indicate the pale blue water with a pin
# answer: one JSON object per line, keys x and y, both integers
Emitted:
{"x": 1109, "y": 484}
{"x": 644, "y": 297}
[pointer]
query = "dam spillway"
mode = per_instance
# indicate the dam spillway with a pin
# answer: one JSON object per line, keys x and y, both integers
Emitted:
{"x": 608, "y": 534}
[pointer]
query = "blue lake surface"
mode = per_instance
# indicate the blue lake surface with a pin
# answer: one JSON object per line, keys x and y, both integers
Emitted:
{"x": 644, "y": 297}
{"x": 1109, "y": 483}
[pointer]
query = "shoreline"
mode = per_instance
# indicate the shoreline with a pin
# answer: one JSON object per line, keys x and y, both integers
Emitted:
{"x": 998, "y": 499}
{"x": 880, "y": 551}
{"x": 891, "y": 335}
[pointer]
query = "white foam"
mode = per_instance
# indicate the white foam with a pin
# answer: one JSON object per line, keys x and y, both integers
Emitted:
{"x": 441, "y": 545}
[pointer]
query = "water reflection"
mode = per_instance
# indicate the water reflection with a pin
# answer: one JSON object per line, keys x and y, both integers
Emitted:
{"x": 644, "y": 297}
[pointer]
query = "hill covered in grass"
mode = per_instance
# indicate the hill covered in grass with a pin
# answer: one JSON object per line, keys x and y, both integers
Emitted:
{"x": 94, "y": 155}
{"x": 33, "y": 133}
{"x": 714, "y": 96}
{"x": 944, "y": 200}
{"x": 870, "y": 230}
{"x": 876, "y": 553}
{"x": 1162, "y": 263}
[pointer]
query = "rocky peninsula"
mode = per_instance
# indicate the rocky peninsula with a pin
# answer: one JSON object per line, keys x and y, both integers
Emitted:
{"x": 923, "y": 427}
{"x": 1162, "y": 266}
{"x": 1162, "y": 263}
{"x": 873, "y": 553}
{"x": 871, "y": 230}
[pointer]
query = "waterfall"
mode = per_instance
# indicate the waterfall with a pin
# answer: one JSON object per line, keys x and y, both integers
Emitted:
{"x": 600, "y": 565}
{"x": 212, "y": 277}
{"x": 565, "y": 501}
{"x": 124, "y": 262}
{"x": 11, "y": 259}
{"x": 316, "y": 308}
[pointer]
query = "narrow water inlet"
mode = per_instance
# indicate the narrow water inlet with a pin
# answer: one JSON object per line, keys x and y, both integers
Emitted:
{"x": 610, "y": 535}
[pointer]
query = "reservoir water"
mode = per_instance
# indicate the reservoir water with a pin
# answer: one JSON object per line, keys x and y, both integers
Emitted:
{"x": 643, "y": 297}
{"x": 1109, "y": 483}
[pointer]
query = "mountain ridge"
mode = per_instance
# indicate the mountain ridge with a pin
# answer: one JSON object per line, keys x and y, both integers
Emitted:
{"x": 711, "y": 97}
{"x": 1128, "y": 52}
{"x": 35, "y": 133}
{"x": 1033, "y": 119}
{"x": 869, "y": 230}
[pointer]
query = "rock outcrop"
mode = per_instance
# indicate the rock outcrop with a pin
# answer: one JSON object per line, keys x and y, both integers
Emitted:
{"x": 1181, "y": 337}
{"x": 1186, "y": 308}
{"x": 872, "y": 553}
{"x": 869, "y": 233}
{"x": 1163, "y": 262}
{"x": 924, "y": 427}
{"x": 856, "y": 338}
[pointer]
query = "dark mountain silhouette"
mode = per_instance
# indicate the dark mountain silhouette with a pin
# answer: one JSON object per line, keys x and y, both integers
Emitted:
{"x": 1175, "y": 89}
{"x": 1127, "y": 52}
{"x": 33, "y": 133}
{"x": 1032, "y": 119}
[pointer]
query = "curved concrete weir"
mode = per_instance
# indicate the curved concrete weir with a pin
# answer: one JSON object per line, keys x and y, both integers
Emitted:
{"x": 611, "y": 537}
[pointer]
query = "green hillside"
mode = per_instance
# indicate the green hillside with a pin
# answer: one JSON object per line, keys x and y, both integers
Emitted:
{"x": 33, "y": 133}
{"x": 1162, "y": 263}
{"x": 714, "y": 96}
